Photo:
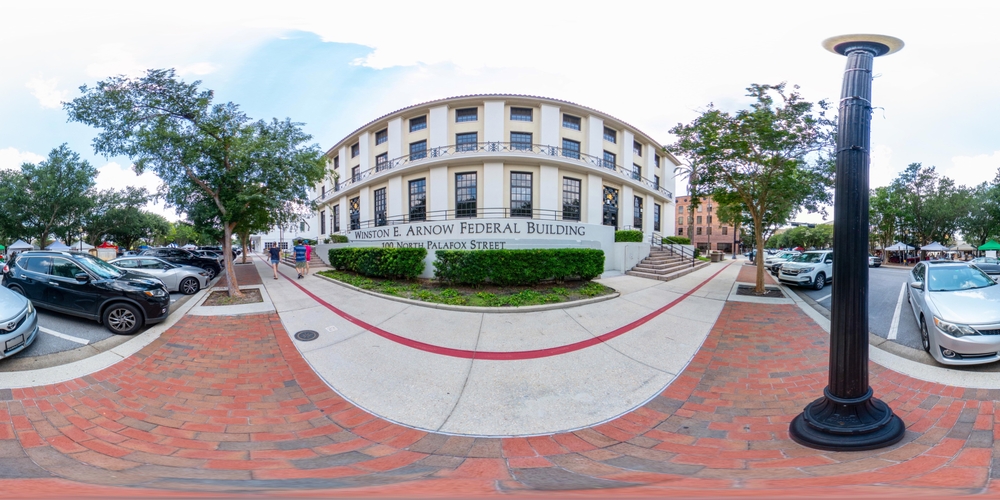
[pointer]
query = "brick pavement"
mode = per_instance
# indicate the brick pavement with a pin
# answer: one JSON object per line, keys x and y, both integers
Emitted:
{"x": 225, "y": 405}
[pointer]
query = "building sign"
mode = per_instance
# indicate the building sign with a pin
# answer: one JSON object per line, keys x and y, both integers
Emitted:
{"x": 493, "y": 234}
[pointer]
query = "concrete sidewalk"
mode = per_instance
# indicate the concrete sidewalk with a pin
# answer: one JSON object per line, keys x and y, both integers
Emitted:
{"x": 226, "y": 405}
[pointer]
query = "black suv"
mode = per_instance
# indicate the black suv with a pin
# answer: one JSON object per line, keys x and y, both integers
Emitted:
{"x": 184, "y": 257}
{"x": 83, "y": 285}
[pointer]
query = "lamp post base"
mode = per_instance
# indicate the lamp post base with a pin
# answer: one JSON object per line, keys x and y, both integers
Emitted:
{"x": 837, "y": 424}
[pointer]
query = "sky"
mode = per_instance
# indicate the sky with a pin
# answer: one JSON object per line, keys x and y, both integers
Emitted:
{"x": 334, "y": 66}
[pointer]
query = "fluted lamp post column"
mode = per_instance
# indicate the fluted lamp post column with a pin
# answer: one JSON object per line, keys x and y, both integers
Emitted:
{"x": 847, "y": 417}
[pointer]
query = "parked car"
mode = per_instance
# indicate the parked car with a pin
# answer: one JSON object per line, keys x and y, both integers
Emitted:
{"x": 813, "y": 268}
{"x": 218, "y": 249}
{"x": 185, "y": 257}
{"x": 209, "y": 253}
{"x": 957, "y": 307}
{"x": 178, "y": 278}
{"x": 874, "y": 261}
{"x": 18, "y": 323}
{"x": 82, "y": 285}
{"x": 773, "y": 263}
{"x": 989, "y": 265}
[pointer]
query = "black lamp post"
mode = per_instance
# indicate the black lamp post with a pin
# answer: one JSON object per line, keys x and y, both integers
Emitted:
{"x": 847, "y": 417}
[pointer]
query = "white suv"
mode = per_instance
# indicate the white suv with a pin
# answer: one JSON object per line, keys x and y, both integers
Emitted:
{"x": 813, "y": 268}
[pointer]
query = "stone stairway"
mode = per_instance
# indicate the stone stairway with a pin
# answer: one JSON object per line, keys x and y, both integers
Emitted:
{"x": 661, "y": 265}
{"x": 314, "y": 261}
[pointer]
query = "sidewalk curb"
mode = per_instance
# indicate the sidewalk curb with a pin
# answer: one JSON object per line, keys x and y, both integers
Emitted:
{"x": 474, "y": 309}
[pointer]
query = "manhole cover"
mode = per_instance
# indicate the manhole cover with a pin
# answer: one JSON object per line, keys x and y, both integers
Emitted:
{"x": 307, "y": 335}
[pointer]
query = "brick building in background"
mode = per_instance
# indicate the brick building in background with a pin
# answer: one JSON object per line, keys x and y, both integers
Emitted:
{"x": 709, "y": 233}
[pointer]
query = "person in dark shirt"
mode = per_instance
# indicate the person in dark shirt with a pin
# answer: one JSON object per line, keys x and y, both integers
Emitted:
{"x": 300, "y": 257}
{"x": 275, "y": 253}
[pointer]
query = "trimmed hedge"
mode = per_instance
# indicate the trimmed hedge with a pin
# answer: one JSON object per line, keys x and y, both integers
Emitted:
{"x": 517, "y": 267}
{"x": 677, "y": 240}
{"x": 406, "y": 263}
{"x": 628, "y": 236}
{"x": 338, "y": 238}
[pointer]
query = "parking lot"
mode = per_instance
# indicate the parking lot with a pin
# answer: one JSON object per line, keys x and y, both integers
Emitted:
{"x": 63, "y": 338}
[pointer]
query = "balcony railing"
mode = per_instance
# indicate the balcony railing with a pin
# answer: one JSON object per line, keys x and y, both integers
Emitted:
{"x": 466, "y": 214}
{"x": 496, "y": 147}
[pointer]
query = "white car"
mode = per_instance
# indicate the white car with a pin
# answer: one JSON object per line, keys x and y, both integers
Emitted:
{"x": 774, "y": 262}
{"x": 813, "y": 268}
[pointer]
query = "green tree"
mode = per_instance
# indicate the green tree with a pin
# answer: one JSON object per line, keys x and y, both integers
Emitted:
{"x": 773, "y": 158}
{"x": 206, "y": 154}
{"x": 981, "y": 222}
{"x": 885, "y": 215}
{"x": 48, "y": 198}
{"x": 112, "y": 209}
{"x": 931, "y": 204}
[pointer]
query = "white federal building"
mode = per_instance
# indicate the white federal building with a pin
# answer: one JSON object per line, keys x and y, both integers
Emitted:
{"x": 519, "y": 171}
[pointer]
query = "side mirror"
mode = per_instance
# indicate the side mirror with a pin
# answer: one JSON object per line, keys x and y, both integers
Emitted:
{"x": 82, "y": 277}
{"x": 829, "y": 261}
{"x": 917, "y": 285}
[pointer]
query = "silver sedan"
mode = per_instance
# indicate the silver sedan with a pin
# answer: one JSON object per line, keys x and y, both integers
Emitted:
{"x": 958, "y": 309}
{"x": 177, "y": 278}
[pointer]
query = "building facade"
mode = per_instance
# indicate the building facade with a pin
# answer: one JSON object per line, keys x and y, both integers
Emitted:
{"x": 709, "y": 233}
{"x": 540, "y": 170}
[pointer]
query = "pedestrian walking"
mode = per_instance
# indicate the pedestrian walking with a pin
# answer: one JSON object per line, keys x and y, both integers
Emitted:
{"x": 309, "y": 250}
{"x": 300, "y": 257}
{"x": 275, "y": 253}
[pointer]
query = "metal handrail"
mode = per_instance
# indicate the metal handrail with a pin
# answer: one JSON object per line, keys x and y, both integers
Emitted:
{"x": 464, "y": 214}
{"x": 656, "y": 239}
{"x": 494, "y": 147}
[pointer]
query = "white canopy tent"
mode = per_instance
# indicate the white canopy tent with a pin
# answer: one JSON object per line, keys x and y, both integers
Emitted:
{"x": 80, "y": 246}
{"x": 57, "y": 245}
{"x": 899, "y": 247}
{"x": 19, "y": 246}
{"x": 933, "y": 247}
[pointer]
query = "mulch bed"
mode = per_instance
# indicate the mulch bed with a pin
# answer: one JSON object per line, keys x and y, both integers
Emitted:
{"x": 222, "y": 298}
{"x": 770, "y": 293}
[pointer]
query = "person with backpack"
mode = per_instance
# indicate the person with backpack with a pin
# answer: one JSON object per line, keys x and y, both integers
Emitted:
{"x": 300, "y": 257}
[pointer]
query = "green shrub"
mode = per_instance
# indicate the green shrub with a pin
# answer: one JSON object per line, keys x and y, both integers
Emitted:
{"x": 697, "y": 252}
{"x": 338, "y": 238}
{"x": 628, "y": 236}
{"x": 404, "y": 263}
{"x": 517, "y": 267}
{"x": 677, "y": 240}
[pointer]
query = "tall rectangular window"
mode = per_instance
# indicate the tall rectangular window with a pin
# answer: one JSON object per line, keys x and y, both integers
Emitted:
{"x": 382, "y": 162}
{"x": 699, "y": 219}
{"x": 571, "y": 122}
{"x": 465, "y": 194}
{"x": 709, "y": 229}
{"x": 355, "y": 212}
{"x": 680, "y": 209}
{"x": 520, "y": 194}
{"x": 636, "y": 148}
{"x": 680, "y": 221}
{"x": 336, "y": 162}
{"x": 636, "y": 172}
{"x": 680, "y": 231}
{"x": 355, "y": 150}
{"x": 725, "y": 230}
{"x": 609, "y": 160}
{"x": 708, "y": 219}
{"x": 656, "y": 182}
{"x": 610, "y": 207}
{"x": 656, "y": 160}
{"x": 467, "y": 115}
{"x": 610, "y": 135}
{"x": 520, "y": 114}
{"x": 698, "y": 231}
{"x": 571, "y": 199}
{"x": 322, "y": 193}
{"x": 571, "y": 149}
{"x": 322, "y": 222}
{"x": 637, "y": 212}
{"x": 656, "y": 217}
{"x": 418, "y": 150}
{"x": 381, "y": 136}
{"x": 380, "y": 207}
{"x": 418, "y": 200}
{"x": 520, "y": 141}
{"x": 418, "y": 123}
{"x": 356, "y": 173}
{"x": 336, "y": 218}
{"x": 466, "y": 142}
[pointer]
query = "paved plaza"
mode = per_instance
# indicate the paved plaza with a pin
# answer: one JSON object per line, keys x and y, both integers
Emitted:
{"x": 669, "y": 389}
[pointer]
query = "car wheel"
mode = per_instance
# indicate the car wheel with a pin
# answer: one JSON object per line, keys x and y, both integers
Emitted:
{"x": 189, "y": 286}
{"x": 122, "y": 318}
{"x": 211, "y": 273}
{"x": 820, "y": 281}
{"x": 16, "y": 289}
{"x": 925, "y": 339}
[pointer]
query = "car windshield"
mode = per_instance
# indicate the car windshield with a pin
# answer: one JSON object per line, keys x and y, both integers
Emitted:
{"x": 952, "y": 278}
{"x": 985, "y": 260}
{"x": 97, "y": 266}
{"x": 808, "y": 257}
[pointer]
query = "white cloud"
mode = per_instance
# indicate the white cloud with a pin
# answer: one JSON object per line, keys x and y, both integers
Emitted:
{"x": 114, "y": 176}
{"x": 972, "y": 170}
{"x": 11, "y": 158}
{"x": 46, "y": 92}
{"x": 114, "y": 59}
{"x": 202, "y": 68}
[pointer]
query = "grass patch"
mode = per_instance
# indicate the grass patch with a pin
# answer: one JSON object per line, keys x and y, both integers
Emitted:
{"x": 483, "y": 296}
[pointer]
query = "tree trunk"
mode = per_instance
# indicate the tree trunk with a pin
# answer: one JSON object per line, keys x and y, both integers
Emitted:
{"x": 759, "y": 243}
{"x": 227, "y": 254}
{"x": 243, "y": 242}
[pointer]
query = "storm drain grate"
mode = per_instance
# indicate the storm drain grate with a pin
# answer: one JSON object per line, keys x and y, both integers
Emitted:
{"x": 307, "y": 335}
